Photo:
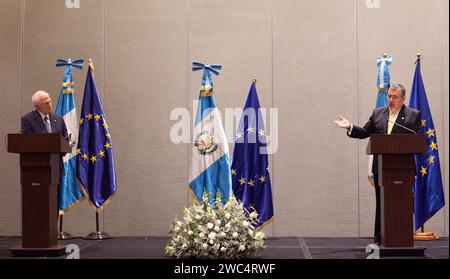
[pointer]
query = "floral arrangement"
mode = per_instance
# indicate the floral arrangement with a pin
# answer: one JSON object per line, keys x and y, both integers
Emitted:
{"x": 212, "y": 231}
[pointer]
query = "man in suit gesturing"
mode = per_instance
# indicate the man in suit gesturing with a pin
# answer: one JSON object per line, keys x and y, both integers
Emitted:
{"x": 394, "y": 119}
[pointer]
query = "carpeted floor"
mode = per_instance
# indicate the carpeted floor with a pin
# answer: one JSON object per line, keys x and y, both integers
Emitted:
{"x": 277, "y": 248}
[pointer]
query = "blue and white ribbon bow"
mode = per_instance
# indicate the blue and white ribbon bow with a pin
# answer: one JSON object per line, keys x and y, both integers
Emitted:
{"x": 63, "y": 63}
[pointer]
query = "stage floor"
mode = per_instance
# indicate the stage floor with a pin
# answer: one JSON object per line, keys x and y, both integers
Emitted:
{"x": 277, "y": 248}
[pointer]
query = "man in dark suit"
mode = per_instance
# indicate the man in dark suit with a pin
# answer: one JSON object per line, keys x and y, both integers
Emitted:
{"x": 394, "y": 119}
{"x": 43, "y": 120}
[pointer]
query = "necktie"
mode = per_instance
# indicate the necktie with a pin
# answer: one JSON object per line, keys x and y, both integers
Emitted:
{"x": 392, "y": 119}
{"x": 47, "y": 125}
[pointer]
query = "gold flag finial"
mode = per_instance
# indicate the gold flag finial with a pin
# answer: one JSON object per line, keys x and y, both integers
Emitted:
{"x": 91, "y": 65}
{"x": 254, "y": 81}
{"x": 419, "y": 55}
{"x": 385, "y": 55}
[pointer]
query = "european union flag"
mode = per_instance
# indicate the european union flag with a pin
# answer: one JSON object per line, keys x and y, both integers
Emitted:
{"x": 95, "y": 160}
{"x": 428, "y": 190}
{"x": 69, "y": 194}
{"x": 250, "y": 165}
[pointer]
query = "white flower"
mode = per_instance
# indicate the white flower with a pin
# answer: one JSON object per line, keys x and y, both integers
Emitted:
{"x": 213, "y": 231}
{"x": 212, "y": 235}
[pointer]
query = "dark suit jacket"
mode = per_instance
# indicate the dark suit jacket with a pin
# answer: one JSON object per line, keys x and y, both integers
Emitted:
{"x": 378, "y": 124}
{"x": 32, "y": 123}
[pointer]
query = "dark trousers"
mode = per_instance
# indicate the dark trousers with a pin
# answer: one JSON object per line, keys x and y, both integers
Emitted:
{"x": 377, "y": 231}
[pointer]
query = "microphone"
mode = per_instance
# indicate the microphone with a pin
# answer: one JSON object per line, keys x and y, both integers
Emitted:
{"x": 406, "y": 128}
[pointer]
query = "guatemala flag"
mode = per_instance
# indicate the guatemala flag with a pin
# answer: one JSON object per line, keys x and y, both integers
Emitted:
{"x": 70, "y": 194}
{"x": 383, "y": 85}
{"x": 210, "y": 170}
{"x": 428, "y": 190}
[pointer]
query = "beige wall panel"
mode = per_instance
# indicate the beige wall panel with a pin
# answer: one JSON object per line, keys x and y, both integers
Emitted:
{"x": 314, "y": 83}
{"x": 10, "y": 71}
{"x": 146, "y": 80}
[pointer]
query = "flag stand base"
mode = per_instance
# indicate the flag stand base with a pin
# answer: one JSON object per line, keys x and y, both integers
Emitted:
{"x": 97, "y": 236}
{"x": 64, "y": 236}
{"x": 425, "y": 236}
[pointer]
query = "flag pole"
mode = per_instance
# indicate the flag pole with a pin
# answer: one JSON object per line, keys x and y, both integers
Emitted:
{"x": 97, "y": 235}
{"x": 423, "y": 235}
{"x": 62, "y": 235}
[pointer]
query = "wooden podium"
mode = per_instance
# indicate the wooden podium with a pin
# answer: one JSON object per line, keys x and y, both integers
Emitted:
{"x": 40, "y": 173}
{"x": 396, "y": 171}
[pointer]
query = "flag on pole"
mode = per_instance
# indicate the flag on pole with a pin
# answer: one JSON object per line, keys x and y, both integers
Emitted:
{"x": 210, "y": 169}
{"x": 428, "y": 190}
{"x": 250, "y": 165}
{"x": 95, "y": 160}
{"x": 69, "y": 194}
{"x": 383, "y": 85}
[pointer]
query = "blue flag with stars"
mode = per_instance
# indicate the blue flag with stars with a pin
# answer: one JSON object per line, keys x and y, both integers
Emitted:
{"x": 428, "y": 190}
{"x": 250, "y": 164}
{"x": 69, "y": 192}
{"x": 95, "y": 160}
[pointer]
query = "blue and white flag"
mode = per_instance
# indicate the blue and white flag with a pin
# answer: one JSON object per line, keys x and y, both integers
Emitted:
{"x": 70, "y": 194}
{"x": 210, "y": 169}
{"x": 383, "y": 85}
